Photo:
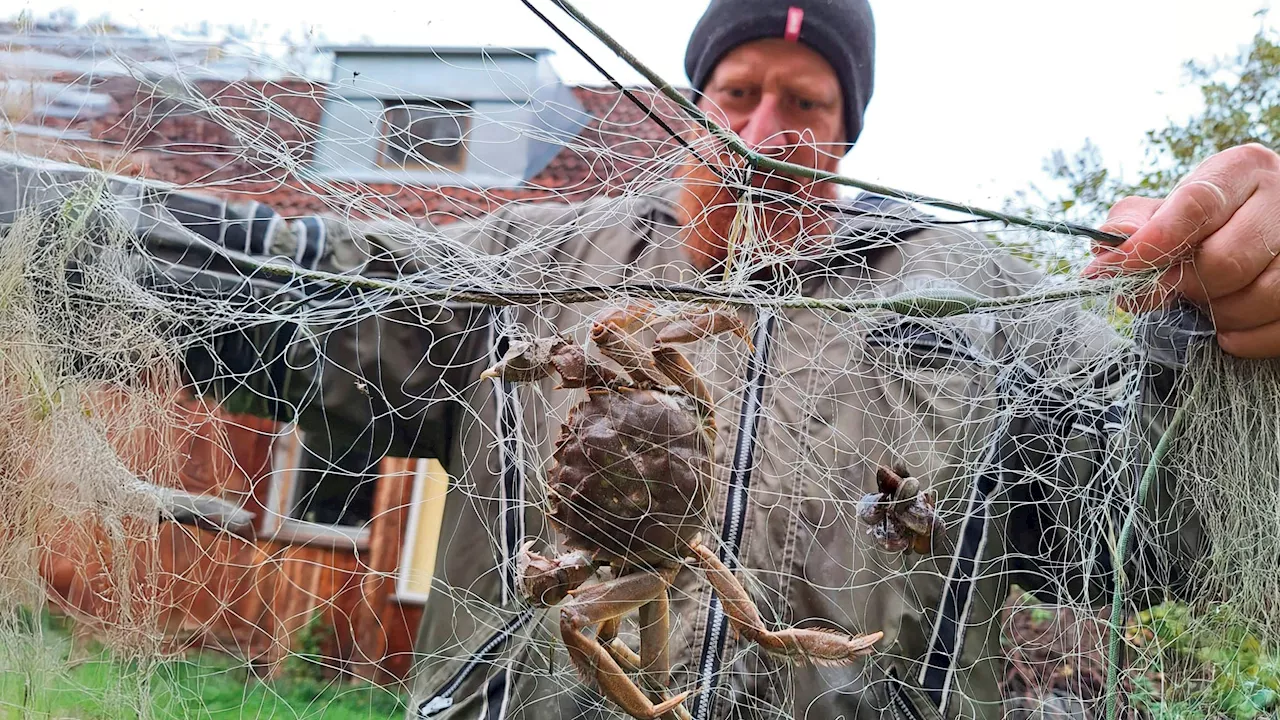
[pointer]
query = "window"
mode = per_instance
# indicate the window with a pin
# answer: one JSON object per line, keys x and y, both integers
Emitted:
{"x": 332, "y": 504}
{"x": 427, "y": 134}
{"x": 335, "y": 493}
{"x": 313, "y": 500}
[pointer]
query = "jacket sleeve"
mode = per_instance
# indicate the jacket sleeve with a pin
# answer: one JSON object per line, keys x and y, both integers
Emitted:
{"x": 366, "y": 366}
{"x": 1084, "y": 411}
{"x": 380, "y": 368}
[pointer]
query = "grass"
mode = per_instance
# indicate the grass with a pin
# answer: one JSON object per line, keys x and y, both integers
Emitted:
{"x": 36, "y": 681}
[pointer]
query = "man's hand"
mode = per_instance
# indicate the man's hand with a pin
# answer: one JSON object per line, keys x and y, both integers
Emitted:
{"x": 1216, "y": 237}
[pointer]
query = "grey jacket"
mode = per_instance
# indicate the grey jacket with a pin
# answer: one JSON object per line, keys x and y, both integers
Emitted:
{"x": 1012, "y": 417}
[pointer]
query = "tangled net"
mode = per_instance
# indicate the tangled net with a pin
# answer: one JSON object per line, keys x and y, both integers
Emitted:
{"x": 242, "y": 320}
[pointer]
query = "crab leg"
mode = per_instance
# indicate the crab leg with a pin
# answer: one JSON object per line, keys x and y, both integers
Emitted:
{"x": 654, "y": 667}
{"x": 703, "y": 323}
{"x": 655, "y": 632}
{"x": 617, "y": 344}
{"x": 598, "y": 604}
{"x": 687, "y": 328}
{"x": 607, "y": 633}
{"x": 629, "y": 661}
{"x": 823, "y": 647}
{"x": 680, "y": 371}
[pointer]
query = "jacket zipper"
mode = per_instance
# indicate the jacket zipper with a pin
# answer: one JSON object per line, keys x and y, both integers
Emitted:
{"x": 511, "y": 515}
{"x": 511, "y": 526}
{"x": 443, "y": 699}
{"x": 735, "y": 513}
{"x": 901, "y": 707}
{"x": 902, "y": 710}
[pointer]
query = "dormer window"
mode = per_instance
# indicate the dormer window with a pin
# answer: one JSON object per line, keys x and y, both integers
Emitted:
{"x": 436, "y": 116}
{"x": 424, "y": 134}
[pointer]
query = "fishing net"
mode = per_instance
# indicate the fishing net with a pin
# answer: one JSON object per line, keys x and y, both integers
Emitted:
{"x": 251, "y": 468}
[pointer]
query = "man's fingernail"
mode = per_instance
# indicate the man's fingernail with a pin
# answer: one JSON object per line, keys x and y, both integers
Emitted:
{"x": 1119, "y": 227}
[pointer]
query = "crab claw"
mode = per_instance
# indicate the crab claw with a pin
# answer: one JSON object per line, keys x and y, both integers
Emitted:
{"x": 918, "y": 516}
{"x": 702, "y": 323}
{"x": 872, "y": 508}
{"x": 901, "y": 516}
{"x": 533, "y": 360}
{"x": 888, "y": 480}
{"x": 545, "y": 582}
{"x": 889, "y": 537}
{"x": 526, "y": 361}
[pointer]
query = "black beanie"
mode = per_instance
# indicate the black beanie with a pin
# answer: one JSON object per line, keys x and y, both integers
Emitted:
{"x": 842, "y": 31}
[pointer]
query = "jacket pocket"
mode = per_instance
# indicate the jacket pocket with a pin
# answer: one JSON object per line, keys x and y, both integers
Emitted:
{"x": 911, "y": 343}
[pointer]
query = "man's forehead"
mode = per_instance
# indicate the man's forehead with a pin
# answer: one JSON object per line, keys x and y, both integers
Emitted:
{"x": 767, "y": 53}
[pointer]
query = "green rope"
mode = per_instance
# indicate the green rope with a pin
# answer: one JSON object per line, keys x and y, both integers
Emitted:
{"x": 1122, "y": 548}
{"x": 923, "y": 303}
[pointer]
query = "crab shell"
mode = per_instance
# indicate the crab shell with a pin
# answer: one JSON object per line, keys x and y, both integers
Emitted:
{"x": 632, "y": 475}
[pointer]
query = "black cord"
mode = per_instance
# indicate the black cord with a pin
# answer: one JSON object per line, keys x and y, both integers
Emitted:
{"x": 755, "y": 159}
{"x": 831, "y": 207}
{"x": 648, "y": 110}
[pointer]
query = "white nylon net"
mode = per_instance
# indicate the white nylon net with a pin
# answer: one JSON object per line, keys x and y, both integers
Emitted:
{"x": 246, "y": 445}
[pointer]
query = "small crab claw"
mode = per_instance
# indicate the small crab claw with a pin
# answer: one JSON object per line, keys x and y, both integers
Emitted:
{"x": 901, "y": 515}
{"x": 526, "y": 361}
{"x": 544, "y": 581}
{"x": 887, "y": 481}
{"x": 533, "y": 360}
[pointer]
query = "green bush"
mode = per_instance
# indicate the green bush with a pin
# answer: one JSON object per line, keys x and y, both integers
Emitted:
{"x": 1199, "y": 664}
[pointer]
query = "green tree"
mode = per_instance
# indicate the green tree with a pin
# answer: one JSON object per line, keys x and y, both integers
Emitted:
{"x": 1241, "y": 105}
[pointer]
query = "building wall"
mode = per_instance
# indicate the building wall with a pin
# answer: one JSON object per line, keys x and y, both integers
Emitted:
{"x": 172, "y": 587}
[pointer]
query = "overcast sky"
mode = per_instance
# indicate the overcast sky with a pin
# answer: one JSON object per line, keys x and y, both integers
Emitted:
{"x": 970, "y": 96}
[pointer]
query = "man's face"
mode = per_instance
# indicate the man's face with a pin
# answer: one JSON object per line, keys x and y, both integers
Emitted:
{"x": 783, "y": 99}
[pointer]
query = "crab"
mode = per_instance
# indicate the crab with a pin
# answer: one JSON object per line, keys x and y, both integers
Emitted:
{"x": 901, "y": 516}
{"x": 629, "y": 488}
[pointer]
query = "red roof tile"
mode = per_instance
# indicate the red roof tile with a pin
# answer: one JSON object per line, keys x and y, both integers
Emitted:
{"x": 258, "y": 123}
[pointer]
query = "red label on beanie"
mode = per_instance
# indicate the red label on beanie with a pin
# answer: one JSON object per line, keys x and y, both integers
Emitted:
{"x": 795, "y": 18}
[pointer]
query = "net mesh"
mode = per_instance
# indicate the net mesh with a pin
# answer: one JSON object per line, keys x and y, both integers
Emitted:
{"x": 250, "y": 467}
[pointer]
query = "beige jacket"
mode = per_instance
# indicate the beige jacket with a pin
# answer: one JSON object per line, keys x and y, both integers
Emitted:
{"x": 1010, "y": 417}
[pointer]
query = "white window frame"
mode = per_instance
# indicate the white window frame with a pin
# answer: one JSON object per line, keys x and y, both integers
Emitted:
{"x": 417, "y": 505}
{"x": 277, "y": 525}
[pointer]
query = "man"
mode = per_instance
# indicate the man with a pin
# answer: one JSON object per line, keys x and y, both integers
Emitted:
{"x": 1007, "y": 417}
{"x": 825, "y": 399}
